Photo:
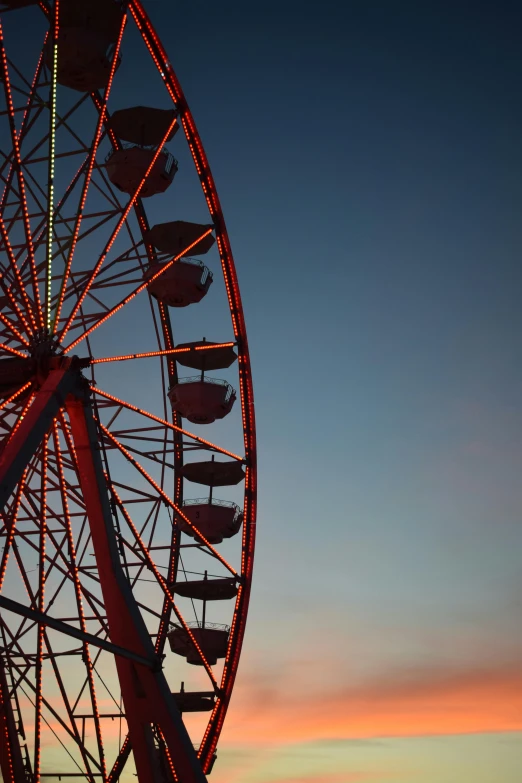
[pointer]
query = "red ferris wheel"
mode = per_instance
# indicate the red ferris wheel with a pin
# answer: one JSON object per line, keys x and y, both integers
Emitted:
{"x": 127, "y": 532}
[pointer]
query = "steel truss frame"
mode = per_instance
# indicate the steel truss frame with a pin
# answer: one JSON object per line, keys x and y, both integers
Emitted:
{"x": 57, "y": 409}
{"x": 146, "y": 696}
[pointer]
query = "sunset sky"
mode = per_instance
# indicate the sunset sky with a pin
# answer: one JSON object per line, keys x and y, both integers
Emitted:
{"x": 368, "y": 159}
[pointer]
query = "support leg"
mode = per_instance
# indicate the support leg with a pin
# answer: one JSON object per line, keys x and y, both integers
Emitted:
{"x": 11, "y": 762}
{"x": 145, "y": 692}
{"x": 25, "y": 440}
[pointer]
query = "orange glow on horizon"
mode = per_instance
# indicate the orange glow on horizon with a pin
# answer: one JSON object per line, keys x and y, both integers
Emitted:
{"x": 457, "y": 703}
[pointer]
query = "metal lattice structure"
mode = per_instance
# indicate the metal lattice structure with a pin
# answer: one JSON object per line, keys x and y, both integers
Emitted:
{"x": 124, "y": 590}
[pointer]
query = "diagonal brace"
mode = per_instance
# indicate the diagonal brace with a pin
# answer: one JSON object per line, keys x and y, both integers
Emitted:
{"x": 30, "y": 431}
{"x": 42, "y": 618}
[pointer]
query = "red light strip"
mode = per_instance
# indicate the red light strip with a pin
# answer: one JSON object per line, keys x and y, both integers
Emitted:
{"x": 167, "y": 424}
{"x": 6, "y": 745}
{"x": 11, "y": 524}
{"x": 160, "y": 58}
{"x": 15, "y": 395}
{"x": 41, "y": 608}
{"x": 124, "y": 753}
{"x": 51, "y": 164}
{"x": 10, "y": 254}
{"x": 167, "y": 352}
{"x": 13, "y": 351}
{"x": 12, "y": 301}
{"x": 163, "y": 584}
{"x": 21, "y": 417}
{"x": 78, "y": 592}
{"x": 136, "y": 291}
{"x": 87, "y": 180}
{"x": 10, "y": 325}
{"x": 169, "y": 759}
{"x": 115, "y": 233}
{"x": 20, "y": 176}
{"x": 167, "y": 500}
{"x": 16, "y": 271}
{"x": 25, "y": 116}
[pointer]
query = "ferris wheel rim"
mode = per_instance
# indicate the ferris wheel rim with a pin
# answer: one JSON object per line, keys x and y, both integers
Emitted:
{"x": 143, "y": 23}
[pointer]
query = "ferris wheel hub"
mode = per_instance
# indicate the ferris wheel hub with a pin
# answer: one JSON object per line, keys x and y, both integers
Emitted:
{"x": 43, "y": 343}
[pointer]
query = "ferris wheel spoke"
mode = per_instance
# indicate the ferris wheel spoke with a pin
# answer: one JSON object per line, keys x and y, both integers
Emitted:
{"x": 8, "y": 293}
{"x": 136, "y": 495}
{"x": 26, "y": 123}
{"x": 17, "y": 274}
{"x": 69, "y": 710}
{"x": 161, "y": 582}
{"x": 12, "y": 328}
{"x": 166, "y": 352}
{"x": 116, "y": 231}
{"x": 61, "y": 121}
{"x": 90, "y": 166}
{"x": 10, "y": 525}
{"x": 32, "y": 498}
{"x": 120, "y": 762}
{"x": 167, "y": 424}
{"x": 45, "y": 703}
{"x": 20, "y": 176}
{"x": 64, "y": 570}
{"x": 148, "y": 455}
{"x": 74, "y": 290}
{"x": 78, "y": 595}
{"x": 165, "y": 747}
{"x": 40, "y": 232}
{"x": 105, "y": 281}
{"x": 134, "y": 293}
{"x": 200, "y": 537}
{"x": 154, "y": 696}
{"x": 13, "y": 351}
{"x": 41, "y": 608}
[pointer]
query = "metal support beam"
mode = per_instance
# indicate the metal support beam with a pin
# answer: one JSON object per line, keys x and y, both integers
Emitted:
{"x": 42, "y": 618}
{"x": 146, "y": 695}
{"x": 11, "y": 761}
{"x": 27, "y": 437}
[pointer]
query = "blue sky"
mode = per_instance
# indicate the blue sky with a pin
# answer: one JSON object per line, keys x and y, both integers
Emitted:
{"x": 368, "y": 162}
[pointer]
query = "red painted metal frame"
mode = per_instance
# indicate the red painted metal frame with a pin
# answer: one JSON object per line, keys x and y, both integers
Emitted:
{"x": 11, "y": 762}
{"x": 21, "y": 183}
{"x": 121, "y": 221}
{"x": 165, "y": 423}
{"x": 31, "y": 429}
{"x": 172, "y": 84}
{"x": 88, "y": 174}
{"x": 145, "y": 692}
{"x": 158, "y": 54}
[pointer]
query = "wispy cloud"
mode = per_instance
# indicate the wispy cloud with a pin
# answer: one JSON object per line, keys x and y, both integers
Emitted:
{"x": 404, "y": 704}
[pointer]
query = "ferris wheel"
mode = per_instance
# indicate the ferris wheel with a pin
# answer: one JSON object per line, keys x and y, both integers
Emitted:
{"x": 127, "y": 432}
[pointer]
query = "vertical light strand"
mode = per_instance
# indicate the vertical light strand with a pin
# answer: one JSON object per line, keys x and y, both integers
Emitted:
{"x": 41, "y": 608}
{"x": 52, "y": 151}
